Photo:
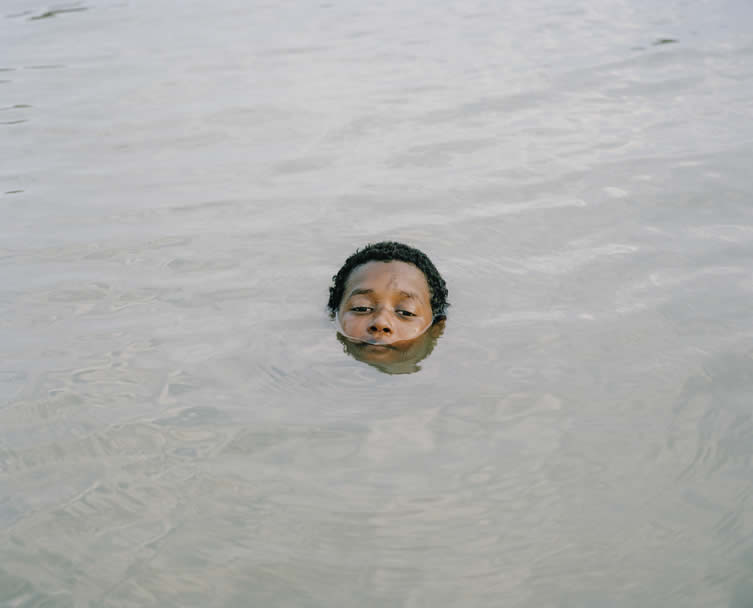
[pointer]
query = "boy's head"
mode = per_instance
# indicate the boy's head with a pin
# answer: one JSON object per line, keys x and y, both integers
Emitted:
{"x": 387, "y": 292}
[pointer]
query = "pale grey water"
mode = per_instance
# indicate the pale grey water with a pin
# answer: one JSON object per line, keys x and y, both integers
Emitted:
{"x": 179, "y": 425}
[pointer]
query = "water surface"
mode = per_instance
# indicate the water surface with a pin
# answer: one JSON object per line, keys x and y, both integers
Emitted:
{"x": 179, "y": 424}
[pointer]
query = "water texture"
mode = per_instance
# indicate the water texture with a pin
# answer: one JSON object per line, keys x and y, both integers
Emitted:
{"x": 178, "y": 423}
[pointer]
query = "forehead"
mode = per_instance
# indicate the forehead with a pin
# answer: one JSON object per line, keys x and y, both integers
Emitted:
{"x": 394, "y": 274}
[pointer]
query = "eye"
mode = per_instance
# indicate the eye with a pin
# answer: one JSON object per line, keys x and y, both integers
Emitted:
{"x": 405, "y": 313}
{"x": 361, "y": 309}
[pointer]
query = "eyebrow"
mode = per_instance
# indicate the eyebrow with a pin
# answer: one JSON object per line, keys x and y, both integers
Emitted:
{"x": 405, "y": 294}
{"x": 409, "y": 294}
{"x": 358, "y": 292}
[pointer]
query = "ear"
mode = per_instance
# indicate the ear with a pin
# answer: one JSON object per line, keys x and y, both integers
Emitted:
{"x": 438, "y": 327}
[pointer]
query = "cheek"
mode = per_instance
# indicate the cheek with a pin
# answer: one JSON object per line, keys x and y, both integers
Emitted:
{"x": 352, "y": 324}
{"x": 408, "y": 332}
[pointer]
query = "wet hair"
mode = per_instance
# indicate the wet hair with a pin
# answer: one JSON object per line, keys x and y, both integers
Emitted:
{"x": 388, "y": 251}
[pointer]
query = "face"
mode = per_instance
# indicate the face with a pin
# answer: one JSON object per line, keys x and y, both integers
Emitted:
{"x": 384, "y": 305}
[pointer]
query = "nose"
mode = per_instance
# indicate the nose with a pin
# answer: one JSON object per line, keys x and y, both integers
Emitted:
{"x": 381, "y": 323}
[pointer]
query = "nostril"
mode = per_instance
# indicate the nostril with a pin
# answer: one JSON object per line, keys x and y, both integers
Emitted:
{"x": 387, "y": 330}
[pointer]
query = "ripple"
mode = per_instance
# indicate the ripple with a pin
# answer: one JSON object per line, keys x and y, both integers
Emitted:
{"x": 397, "y": 221}
{"x": 440, "y": 153}
{"x": 55, "y": 12}
{"x": 567, "y": 261}
{"x": 712, "y": 423}
{"x": 300, "y": 165}
{"x": 520, "y": 317}
{"x": 503, "y": 104}
{"x": 730, "y": 233}
{"x": 18, "y": 591}
{"x": 11, "y": 383}
{"x": 294, "y": 50}
{"x": 187, "y": 265}
{"x": 195, "y": 416}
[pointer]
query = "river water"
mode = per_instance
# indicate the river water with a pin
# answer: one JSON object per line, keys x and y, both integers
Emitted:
{"x": 179, "y": 425}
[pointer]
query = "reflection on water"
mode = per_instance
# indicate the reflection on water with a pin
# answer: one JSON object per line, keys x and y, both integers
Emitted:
{"x": 178, "y": 426}
{"x": 401, "y": 357}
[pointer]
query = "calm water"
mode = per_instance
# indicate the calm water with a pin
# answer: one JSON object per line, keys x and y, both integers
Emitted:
{"x": 179, "y": 425}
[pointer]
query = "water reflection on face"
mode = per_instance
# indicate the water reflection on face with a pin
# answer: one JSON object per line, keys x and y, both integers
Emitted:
{"x": 401, "y": 357}
{"x": 385, "y": 317}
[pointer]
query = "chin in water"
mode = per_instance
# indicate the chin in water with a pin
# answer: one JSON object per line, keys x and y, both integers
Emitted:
{"x": 397, "y": 358}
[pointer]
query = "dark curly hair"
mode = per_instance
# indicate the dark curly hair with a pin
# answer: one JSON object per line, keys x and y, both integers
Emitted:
{"x": 386, "y": 251}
